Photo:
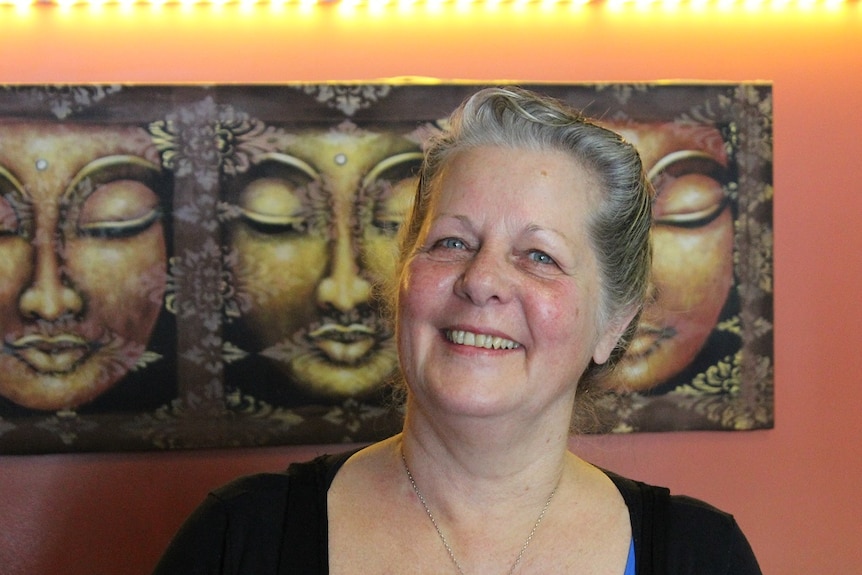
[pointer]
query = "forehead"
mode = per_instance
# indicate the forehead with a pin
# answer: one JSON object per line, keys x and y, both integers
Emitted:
{"x": 46, "y": 156}
{"x": 70, "y": 143}
{"x": 347, "y": 148}
{"x": 518, "y": 173}
{"x": 516, "y": 189}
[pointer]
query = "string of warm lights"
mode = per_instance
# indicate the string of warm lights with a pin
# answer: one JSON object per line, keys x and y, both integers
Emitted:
{"x": 616, "y": 5}
{"x": 613, "y": 4}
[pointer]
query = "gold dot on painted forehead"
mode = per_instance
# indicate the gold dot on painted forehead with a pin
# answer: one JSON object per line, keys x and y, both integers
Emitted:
{"x": 41, "y": 164}
{"x": 340, "y": 159}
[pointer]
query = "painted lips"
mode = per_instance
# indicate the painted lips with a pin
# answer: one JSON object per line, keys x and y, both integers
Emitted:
{"x": 51, "y": 354}
{"x": 648, "y": 339}
{"x": 345, "y": 344}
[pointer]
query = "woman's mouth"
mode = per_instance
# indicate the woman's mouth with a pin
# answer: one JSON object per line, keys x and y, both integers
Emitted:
{"x": 51, "y": 354}
{"x": 482, "y": 340}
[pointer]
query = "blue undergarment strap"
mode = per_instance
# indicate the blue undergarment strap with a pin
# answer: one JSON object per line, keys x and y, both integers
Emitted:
{"x": 630, "y": 562}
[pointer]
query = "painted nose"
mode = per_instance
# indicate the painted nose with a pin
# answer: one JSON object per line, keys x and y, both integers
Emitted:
{"x": 485, "y": 280}
{"x": 343, "y": 289}
{"x": 49, "y": 296}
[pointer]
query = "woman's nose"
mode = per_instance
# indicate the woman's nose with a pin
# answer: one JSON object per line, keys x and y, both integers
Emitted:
{"x": 343, "y": 289}
{"x": 49, "y": 295}
{"x": 486, "y": 279}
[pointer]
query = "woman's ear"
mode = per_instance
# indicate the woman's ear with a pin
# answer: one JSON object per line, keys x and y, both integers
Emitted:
{"x": 614, "y": 330}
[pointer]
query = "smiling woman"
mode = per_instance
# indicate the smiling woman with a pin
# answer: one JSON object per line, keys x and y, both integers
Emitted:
{"x": 523, "y": 264}
{"x": 83, "y": 257}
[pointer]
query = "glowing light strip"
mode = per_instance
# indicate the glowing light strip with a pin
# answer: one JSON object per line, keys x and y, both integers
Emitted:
{"x": 458, "y": 5}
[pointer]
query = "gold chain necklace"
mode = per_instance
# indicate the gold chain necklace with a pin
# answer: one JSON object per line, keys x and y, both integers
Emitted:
{"x": 443, "y": 537}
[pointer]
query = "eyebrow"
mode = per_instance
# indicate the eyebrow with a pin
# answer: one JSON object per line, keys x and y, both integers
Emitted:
{"x": 530, "y": 229}
{"x": 390, "y": 162}
{"x": 112, "y": 168}
{"x": 535, "y": 228}
{"x": 10, "y": 181}
{"x": 689, "y": 162}
{"x": 287, "y": 161}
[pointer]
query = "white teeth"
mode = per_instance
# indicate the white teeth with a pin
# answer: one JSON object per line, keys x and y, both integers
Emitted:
{"x": 480, "y": 340}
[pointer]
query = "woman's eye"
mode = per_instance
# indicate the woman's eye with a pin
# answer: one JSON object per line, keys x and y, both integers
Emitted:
{"x": 447, "y": 249}
{"x": 452, "y": 244}
{"x": 541, "y": 258}
{"x": 119, "y": 209}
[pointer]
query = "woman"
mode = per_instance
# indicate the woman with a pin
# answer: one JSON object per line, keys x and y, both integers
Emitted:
{"x": 523, "y": 267}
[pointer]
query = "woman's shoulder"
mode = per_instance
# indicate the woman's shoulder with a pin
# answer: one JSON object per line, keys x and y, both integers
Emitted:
{"x": 657, "y": 504}
{"x": 688, "y": 534}
{"x": 315, "y": 473}
{"x": 241, "y": 527}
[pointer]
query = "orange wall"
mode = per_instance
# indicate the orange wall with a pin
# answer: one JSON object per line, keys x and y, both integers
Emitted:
{"x": 792, "y": 488}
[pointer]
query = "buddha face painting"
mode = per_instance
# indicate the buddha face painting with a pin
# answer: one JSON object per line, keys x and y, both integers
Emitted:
{"x": 82, "y": 259}
{"x": 315, "y": 239}
{"x": 692, "y": 242}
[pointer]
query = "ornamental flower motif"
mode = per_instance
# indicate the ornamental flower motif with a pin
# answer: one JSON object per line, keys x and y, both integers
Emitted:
{"x": 188, "y": 142}
{"x": 347, "y": 98}
{"x": 66, "y": 425}
{"x": 351, "y": 414}
{"x": 64, "y": 101}
{"x": 623, "y": 92}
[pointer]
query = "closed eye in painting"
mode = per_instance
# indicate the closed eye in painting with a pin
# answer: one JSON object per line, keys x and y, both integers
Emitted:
{"x": 689, "y": 189}
{"x": 114, "y": 197}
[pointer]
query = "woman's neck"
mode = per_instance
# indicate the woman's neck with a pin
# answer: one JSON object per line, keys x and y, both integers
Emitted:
{"x": 483, "y": 461}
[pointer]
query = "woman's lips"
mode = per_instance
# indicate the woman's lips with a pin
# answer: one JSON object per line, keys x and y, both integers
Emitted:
{"x": 51, "y": 354}
{"x": 485, "y": 341}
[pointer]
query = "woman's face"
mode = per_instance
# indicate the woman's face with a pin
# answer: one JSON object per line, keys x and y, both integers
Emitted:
{"x": 82, "y": 259}
{"x": 317, "y": 234}
{"x": 498, "y": 304}
{"x": 692, "y": 244}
